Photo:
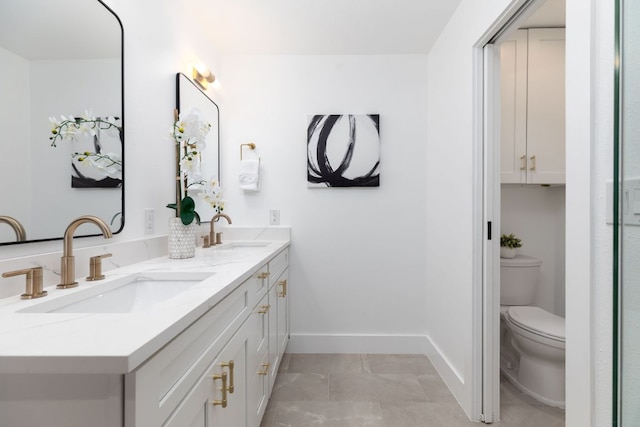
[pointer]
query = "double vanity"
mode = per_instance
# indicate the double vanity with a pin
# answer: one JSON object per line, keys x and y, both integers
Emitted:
{"x": 162, "y": 342}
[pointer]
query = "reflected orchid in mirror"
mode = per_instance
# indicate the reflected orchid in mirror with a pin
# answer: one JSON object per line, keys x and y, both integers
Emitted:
{"x": 110, "y": 164}
{"x": 211, "y": 192}
{"x": 69, "y": 128}
{"x": 101, "y": 165}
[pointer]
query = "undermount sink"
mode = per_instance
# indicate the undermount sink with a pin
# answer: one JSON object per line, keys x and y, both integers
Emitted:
{"x": 243, "y": 245}
{"x": 133, "y": 293}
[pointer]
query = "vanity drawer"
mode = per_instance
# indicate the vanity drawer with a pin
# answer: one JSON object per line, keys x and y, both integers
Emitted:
{"x": 277, "y": 265}
{"x": 258, "y": 286}
{"x": 162, "y": 381}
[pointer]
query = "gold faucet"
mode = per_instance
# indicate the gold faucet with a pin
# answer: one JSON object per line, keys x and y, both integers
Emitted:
{"x": 68, "y": 264}
{"x": 213, "y": 239}
{"x": 21, "y": 235}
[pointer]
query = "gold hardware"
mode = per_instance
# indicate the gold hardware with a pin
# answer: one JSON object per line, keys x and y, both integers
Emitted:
{"x": 229, "y": 365}
{"x": 264, "y": 309}
{"x": 283, "y": 283}
{"x": 533, "y": 163}
{"x": 212, "y": 233}
{"x": 250, "y": 146}
{"x": 205, "y": 241}
{"x": 263, "y": 275}
{"x": 33, "y": 283}
{"x": 523, "y": 162}
{"x": 219, "y": 238}
{"x": 67, "y": 263}
{"x": 21, "y": 234}
{"x": 223, "y": 401}
{"x": 266, "y": 371}
{"x": 95, "y": 267}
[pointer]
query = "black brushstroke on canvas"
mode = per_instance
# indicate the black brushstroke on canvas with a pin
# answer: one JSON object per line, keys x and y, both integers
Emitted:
{"x": 322, "y": 171}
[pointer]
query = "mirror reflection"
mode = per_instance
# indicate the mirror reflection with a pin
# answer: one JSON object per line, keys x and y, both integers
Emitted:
{"x": 60, "y": 60}
{"x": 189, "y": 97}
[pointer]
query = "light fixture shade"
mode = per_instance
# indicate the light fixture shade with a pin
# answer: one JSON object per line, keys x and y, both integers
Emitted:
{"x": 203, "y": 76}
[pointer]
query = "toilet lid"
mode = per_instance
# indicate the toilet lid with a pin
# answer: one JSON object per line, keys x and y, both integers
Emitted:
{"x": 538, "y": 321}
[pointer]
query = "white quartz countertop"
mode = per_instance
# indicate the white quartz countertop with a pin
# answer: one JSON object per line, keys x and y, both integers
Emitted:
{"x": 117, "y": 343}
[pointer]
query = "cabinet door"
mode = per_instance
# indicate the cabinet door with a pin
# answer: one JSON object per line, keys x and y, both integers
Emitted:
{"x": 203, "y": 406}
{"x": 257, "y": 371}
{"x": 513, "y": 109}
{"x": 546, "y": 106}
{"x": 235, "y": 412}
{"x": 283, "y": 322}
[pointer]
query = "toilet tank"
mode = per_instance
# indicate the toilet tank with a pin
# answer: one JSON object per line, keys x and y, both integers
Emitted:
{"x": 519, "y": 280}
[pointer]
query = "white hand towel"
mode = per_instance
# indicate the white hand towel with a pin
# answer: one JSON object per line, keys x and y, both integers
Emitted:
{"x": 249, "y": 177}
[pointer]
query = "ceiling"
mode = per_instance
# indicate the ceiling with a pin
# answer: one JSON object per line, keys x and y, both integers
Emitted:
{"x": 321, "y": 27}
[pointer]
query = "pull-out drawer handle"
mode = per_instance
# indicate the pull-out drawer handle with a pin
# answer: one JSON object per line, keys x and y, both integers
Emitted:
{"x": 264, "y": 309}
{"x": 229, "y": 365}
{"x": 283, "y": 283}
{"x": 223, "y": 401}
{"x": 263, "y": 275}
{"x": 266, "y": 371}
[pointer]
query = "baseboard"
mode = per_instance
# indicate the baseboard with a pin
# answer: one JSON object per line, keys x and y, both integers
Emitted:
{"x": 371, "y": 344}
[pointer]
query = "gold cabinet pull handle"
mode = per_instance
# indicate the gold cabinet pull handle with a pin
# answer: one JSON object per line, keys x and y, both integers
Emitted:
{"x": 229, "y": 365}
{"x": 263, "y": 275}
{"x": 533, "y": 163}
{"x": 523, "y": 162}
{"x": 223, "y": 401}
{"x": 283, "y": 283}
{"x": 266, "y": 371}
{"x": 264, "y": 309}
{"x": 33, "y": 284}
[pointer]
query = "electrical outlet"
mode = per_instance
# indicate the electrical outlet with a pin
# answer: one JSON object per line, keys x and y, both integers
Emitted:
{"x": 149, "y": 221}
{"x": 274, "y": 217}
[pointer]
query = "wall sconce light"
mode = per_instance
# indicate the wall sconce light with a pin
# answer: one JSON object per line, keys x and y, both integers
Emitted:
{"x": 203, "y": 76}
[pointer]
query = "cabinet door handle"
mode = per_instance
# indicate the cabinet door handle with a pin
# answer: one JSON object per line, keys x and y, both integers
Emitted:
{"x": 283, "y": 283}
{"x": 264, "y": 309}
{"x": 533, "y": 163}
{"x": 263, "y": 275}
{"x": 523, "y": 162}
{"x": 229, "y": 365}
{"x": 223, "y": 401}
{"x": 266, "y": 371}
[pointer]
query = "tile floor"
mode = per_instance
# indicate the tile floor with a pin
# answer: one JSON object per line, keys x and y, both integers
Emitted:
{"x": 373, "y": 390}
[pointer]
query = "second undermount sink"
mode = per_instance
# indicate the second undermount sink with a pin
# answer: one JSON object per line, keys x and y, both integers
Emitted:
{"x": 133, "y": 293}
{"x": 243, "y": 244}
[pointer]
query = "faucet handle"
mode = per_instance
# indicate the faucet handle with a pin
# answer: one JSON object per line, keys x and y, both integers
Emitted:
{"x": 95, "y": 267}
{"x": 206, "y": 241}
{"x": 33, "y": 283}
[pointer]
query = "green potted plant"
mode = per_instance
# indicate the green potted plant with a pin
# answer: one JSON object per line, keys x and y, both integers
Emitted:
{"x": 509, "y": 244}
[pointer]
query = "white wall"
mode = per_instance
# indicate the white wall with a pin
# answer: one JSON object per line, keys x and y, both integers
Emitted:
{"x": 358, "y": 255}
{"x": 537, "y": 215}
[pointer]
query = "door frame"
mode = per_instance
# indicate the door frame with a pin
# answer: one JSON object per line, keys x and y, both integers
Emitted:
{"x": 486, "y": 210}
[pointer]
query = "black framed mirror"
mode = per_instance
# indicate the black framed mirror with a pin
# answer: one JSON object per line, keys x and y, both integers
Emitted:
{"x": 52, "y": 68}
{"x": 189, "y": 96}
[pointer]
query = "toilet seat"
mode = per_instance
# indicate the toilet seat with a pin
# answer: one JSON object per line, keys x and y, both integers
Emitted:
{"x": 538, "y": 322}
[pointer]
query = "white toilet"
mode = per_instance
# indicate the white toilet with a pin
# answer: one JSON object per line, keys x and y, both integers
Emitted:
{"x": 532, "y": 339}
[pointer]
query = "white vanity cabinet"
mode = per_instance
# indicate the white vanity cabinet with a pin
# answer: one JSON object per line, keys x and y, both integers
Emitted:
{"x": 532, "y": 91}
{"x": 217, "y": 371}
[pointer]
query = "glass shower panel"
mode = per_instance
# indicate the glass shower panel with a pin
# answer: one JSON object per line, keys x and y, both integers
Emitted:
{"x": 629, "y": 254}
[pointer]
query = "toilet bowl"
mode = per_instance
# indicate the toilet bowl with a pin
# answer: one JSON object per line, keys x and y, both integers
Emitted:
{"x": 532, "y": 353}
{"x": 538, "y": 338}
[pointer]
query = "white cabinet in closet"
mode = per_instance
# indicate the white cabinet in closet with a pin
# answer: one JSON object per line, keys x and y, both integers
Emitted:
{"x": 532, "y": 91}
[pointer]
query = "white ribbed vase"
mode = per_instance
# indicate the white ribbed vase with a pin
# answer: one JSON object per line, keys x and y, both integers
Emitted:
{"x": 182, "y": 239}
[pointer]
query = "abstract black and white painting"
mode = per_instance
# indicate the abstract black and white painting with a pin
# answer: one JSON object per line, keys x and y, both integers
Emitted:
{"x": 343, "y": 150}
